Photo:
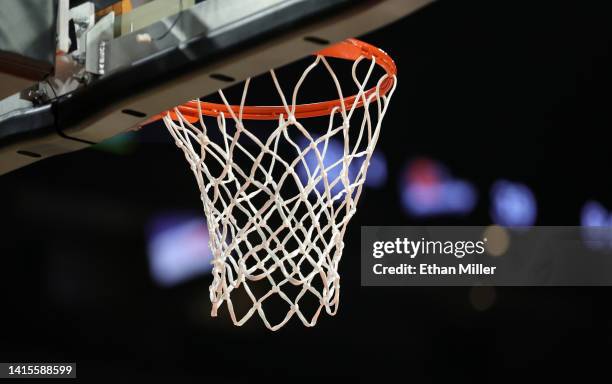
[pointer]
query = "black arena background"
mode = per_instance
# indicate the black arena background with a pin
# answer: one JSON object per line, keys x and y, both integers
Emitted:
{"x": 492, "y": 89}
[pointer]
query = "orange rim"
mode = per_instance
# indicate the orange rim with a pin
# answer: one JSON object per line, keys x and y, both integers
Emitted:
{"x": 350, "y": 49}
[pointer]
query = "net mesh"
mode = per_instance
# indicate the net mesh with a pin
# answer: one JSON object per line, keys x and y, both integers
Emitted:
{"x": 278, "y": 203}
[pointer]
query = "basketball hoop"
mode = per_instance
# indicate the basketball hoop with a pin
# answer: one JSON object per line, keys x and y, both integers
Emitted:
{"x": 267, "y": 225}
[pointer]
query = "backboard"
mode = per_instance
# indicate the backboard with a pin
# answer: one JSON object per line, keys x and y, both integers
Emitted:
{"x": 119, "y": 63}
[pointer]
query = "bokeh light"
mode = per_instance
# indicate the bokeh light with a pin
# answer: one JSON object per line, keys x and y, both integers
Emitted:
{"x": 498, "y": 240}
{"x": 427, "y": 189}
{"x": 512, "y": 204}
{"x": 595, "y": 221}
{"x": 377, "y": 171}
{"x": 332, "y": 160}
{"x": 178, "y": 248}
{"x": 482, "y": 298}
{"x": 593, "y": 214}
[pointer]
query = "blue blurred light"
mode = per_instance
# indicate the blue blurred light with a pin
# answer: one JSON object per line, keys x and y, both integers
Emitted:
{"x": 333, "y": 155}
{"x": 455, "y": 197}
{"x": 178, "y": 248}
{"x": 459, "y": 196}
{"x": 428, "y": 189}
{"x": 330, "y": 155}
{"x": 377, "y": 171}
{"x": 595, "y": 221}
{"x": 594, "y": 214}
{"x": 512, "y": 204}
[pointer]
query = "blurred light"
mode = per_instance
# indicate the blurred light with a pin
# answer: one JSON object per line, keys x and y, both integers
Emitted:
{"x": 428, "y": 190}
{"x": 482, "y": 297}
{"x": 596, "y": 230}
{"x": 332, "y": 156}
{"x": 121, "y": 144}
{"x": 497, "y": 240}
{"x": 594, "y": 214}
{"x": 377, "y": 171}
{"x": 513, "y": 204}
{"x": 178, "y": 248}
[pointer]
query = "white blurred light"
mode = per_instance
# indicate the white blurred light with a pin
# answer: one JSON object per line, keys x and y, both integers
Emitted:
{"x": 178, "y": 249}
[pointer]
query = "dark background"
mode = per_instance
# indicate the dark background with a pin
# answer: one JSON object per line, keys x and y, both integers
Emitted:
{"x": 497, "y": 89}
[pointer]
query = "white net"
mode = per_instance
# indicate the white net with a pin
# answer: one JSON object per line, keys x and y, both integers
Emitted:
{"x": 278, "y": 202}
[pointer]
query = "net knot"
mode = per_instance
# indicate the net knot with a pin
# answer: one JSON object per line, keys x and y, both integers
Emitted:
{"x": 203, "y": 139}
